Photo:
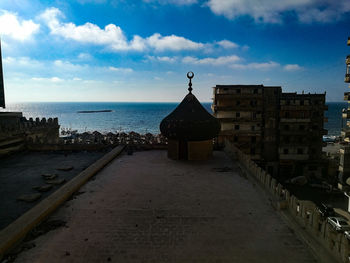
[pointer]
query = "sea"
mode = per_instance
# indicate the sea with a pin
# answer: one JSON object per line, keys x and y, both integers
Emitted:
{"x": 141, "y": 117}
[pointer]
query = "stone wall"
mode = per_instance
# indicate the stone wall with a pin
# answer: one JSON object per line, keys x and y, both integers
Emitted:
{"x": 16, "y": 132}
{"x": 303, "y": 211}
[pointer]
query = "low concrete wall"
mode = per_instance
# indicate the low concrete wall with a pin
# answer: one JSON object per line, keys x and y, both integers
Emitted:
{"x": 16, "y": 231}
{"x": 303, "y": 211}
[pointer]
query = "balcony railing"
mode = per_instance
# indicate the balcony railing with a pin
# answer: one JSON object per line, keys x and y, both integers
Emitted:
{"x": 346, "y": 95}
{"x": 347, "y": 78}
{"x": 347, "y": 60}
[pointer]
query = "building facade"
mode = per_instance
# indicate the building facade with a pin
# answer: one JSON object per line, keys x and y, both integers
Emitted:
{"x": 344, "y": 163}
{"x": 281, "y": 131}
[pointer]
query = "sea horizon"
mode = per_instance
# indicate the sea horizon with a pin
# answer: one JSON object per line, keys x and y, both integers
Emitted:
{"x": 141, "y": 117}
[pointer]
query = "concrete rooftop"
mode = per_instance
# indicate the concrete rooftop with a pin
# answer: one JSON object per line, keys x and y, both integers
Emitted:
{"x": 147, "y": 208}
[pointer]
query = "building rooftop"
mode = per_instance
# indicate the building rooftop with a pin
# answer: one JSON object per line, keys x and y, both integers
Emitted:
{"x": 148, "y": 208}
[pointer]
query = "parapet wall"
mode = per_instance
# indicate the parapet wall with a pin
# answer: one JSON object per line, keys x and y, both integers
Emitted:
{"x": 303, "y": 211}
{"x": 16, "y": 132}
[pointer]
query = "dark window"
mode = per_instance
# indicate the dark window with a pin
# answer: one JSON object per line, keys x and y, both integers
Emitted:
{"x": 238, "y": 102}
{"x": 254, "y": 115}
{"x": 286, "y": 127}
{"x": 252, "y": 150}
{"x": 285, "y": 151}
{"x": 253, "y": 139}
{"x": 302, "y": 102}
{"x": 238, "y": 114}
{"x": 255, "y": 91}
{"x": 238, "y": 91}
{"x": 315, "y": 114}
{"x": 300, "y": 151}
{"x": 225, "y": 88}
{"x": 287, "y": 139}
{"x": 301, "y": 127}
{"x": 286, "y": 114}
{"x": 236, "y": 127}
{"x": 287, "y": 102}
{"x": 235, "y": 138}
{"x": 253, "y": 128}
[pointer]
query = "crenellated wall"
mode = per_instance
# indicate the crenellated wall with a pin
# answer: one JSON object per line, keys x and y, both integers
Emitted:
{"x": 16, "y": 132}
{"x": 304, "y": 212}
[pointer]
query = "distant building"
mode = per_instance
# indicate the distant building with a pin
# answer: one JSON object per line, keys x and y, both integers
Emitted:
{"x": 281, "y": 131}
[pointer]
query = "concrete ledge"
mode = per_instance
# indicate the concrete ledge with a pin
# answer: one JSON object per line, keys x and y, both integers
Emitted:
{"x": 17, "y": 230}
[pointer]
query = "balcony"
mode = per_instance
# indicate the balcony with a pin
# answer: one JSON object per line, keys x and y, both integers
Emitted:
{"x": 221, "y": 96}
{"x": 347, "y": 78}
{"x": 348, "y": 41}
{"x": 347, "y": 60}
{"x": 346, "y": 114}
{"x": 295, "y": 120}
{"x": 345, "y": 133}
{"x": 346, "y": 96}
{"x": 298, "y": 157}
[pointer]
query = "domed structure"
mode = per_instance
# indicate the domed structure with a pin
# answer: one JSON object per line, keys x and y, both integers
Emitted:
{"x": 190, "y": 129}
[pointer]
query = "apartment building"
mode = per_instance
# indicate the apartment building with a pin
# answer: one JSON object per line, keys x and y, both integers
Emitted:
{"x": 281, "y": 131}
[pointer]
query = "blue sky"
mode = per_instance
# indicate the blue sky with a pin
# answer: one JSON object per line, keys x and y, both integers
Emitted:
{"x": 119, "y": 50}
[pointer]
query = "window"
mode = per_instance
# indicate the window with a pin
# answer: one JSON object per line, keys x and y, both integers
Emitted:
{"x": 286, "y": 114}
{"x": 238, "y": 91}
{"x": 286, "y": 127}
{"x": 301, "y": 127}
{"x": 302, "y": 102}
{"x": 238, "y": 102}
{"x": 300, "y": 151}
{"x": 287, "y": 139}
{"x": 253, "y": 139}
{"x": 238, "y": 114}
{"x": 255, "y": 91}
{"x": 235, "y": 138}
{"x": 253, "y": 128}
{"x": 287, "y": 102}
{"x": 252, "y": 150}
{"x": 285, "y": 151}
{"x": 236, "y": 127}
{"x": 254, "y": 115}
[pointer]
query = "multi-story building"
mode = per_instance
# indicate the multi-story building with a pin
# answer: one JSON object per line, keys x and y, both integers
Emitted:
{"x": 281, "y": 131}
{"x": 300, "y": 134}
{"x": 344, "y": 164}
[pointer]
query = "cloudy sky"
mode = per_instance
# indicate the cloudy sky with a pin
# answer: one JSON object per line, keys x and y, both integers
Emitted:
{"x": 141, "y": 50}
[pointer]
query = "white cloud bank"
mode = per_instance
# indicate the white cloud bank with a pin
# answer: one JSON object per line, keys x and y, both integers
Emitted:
{"x": 113, "y": 37}
{"x": 11, "y": 25}
{"x": 271, "y": 11}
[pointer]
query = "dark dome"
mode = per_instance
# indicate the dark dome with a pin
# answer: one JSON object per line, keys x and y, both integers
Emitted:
{"x": 190, "y": 122}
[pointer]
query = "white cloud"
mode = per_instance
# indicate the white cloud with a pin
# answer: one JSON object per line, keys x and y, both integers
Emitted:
{"x": 84, "y": 56}
{"x": 125, "y": 70}
{"x": 113, "y": 37}
{"x": 172, "y": 42}
{"x": 19, "y": 29}
{"x": 53, "y": 79}
{"x": 292, "y": 67}
{"x": 227, "y": 44}
{"x": 271, "y": 11}
{"x": 224, "y": 60}
{"x": 258, "y": 66}
{"x": 163, "y": 59}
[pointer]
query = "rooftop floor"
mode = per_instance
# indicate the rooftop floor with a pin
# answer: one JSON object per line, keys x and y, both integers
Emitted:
{"x": 147, "y": 208}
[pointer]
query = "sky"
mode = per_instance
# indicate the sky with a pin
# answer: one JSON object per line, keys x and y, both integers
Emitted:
{"x": 141, "y": 50}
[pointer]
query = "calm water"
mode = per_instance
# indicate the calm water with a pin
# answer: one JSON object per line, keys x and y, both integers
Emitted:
{"x": 125, "y": 116}
{"x": 138, "y": 117}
